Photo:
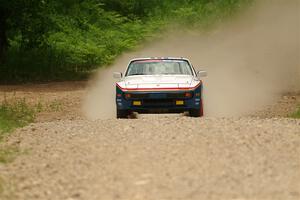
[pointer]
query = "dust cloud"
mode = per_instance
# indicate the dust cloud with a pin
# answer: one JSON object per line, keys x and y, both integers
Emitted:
{"x": 250, "y": 61}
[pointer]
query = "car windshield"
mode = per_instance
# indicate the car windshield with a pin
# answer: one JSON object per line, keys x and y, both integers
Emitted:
{"x": 159, "y": 67}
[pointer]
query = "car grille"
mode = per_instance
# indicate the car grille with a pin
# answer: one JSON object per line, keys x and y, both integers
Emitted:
{"x": 139, "y": 96}
{"x": 171, "y": 95}
{"x": 177, "y": 95}
{"x": 158, "y": 102}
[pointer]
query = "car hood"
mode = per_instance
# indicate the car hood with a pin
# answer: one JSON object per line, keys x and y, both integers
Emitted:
{"x": 158, "y": 81}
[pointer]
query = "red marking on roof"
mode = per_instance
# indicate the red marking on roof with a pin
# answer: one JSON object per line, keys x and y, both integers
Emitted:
{"x": 152, "y": 60}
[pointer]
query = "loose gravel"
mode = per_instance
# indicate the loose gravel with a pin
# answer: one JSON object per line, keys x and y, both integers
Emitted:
{"x": 156, "y": 157}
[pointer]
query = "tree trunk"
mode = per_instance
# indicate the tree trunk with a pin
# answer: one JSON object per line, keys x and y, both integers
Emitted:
{"x": 3, "y": 36}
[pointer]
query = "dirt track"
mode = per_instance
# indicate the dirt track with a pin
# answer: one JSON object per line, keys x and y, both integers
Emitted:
{"x": 157, "y": 157}
{"x": 255, "y": 156}
{"x": 152, "y": 157}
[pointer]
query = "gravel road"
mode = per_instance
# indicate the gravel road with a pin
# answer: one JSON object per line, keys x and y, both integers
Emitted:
{"x": 254, "y": 155}
{"x": 156, "y": 157}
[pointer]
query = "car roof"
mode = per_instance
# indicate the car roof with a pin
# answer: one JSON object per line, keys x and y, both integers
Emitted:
{"x": 159, "y": 58}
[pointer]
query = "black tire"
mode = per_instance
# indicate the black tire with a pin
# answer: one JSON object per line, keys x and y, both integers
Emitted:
{"x": 122, "y": 114}
{"x": 197, "y": 112}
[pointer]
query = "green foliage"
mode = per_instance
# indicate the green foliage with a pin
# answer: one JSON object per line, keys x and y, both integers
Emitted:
{"x": 296, "y": 114}
{"x": 67, "y": 39}
{"x": 14, "y": 114}
{"x": 7, "y": 155}
{"x": 17, "y": 113}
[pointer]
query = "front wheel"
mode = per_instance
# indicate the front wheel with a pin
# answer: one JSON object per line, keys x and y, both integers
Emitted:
{"x": 122, "y": 114}
{"x": 197, "y": 112}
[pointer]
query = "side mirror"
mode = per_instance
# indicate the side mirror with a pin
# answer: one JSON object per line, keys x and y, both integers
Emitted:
{"x": 117, "y": 75}
{"x": 201, "y": 74}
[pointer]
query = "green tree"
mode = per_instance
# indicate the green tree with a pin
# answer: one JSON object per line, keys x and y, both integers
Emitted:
{"x": 63, "y": 39}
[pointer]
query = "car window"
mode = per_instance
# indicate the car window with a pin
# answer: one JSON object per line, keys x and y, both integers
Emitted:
{"x": 159, "y": 67}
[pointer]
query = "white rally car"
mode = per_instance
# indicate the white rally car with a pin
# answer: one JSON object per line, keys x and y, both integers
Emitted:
{"x": 159, "y": 85}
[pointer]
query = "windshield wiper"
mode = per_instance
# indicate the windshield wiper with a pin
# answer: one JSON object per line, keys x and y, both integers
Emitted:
{"x": 135, "y": 74}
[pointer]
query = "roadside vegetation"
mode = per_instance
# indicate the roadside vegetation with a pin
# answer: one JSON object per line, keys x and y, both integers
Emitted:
{"x": 13, "y": 114}
{"x": 16, "y": 113}
{"x": 1, "y": 186}
{"x": 296, "y": 114}
{"x": 68, "y": 39}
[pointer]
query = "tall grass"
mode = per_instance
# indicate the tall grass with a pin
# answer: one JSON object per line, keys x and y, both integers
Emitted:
{"x": 13, "y": 114}
{"x": 296, "y": 114}
{"x": 16, "y": 113}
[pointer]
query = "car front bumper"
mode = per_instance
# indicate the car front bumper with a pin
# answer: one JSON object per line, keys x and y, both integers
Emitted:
{"x": 159, "y": 101}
